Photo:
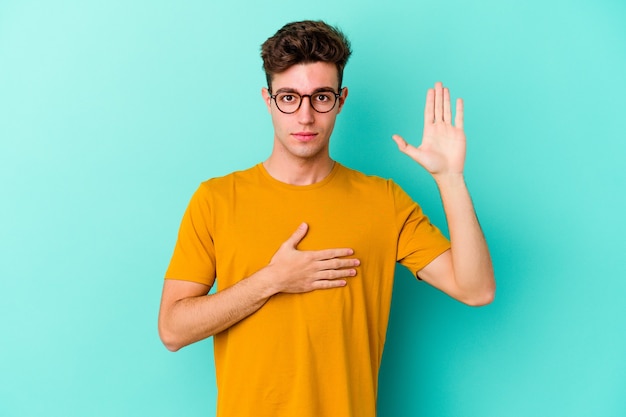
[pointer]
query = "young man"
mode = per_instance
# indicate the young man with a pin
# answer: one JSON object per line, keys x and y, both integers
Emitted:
{"x": 304, "y": 249}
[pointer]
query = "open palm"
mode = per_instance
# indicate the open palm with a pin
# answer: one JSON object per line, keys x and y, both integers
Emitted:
{"x": 442, "y": 151}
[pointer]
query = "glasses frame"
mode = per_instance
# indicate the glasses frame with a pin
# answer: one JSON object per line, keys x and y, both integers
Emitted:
{"x": 302, "y": 96}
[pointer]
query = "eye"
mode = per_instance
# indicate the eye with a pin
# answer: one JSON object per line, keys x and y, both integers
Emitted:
{"x": 323, "y": 97}
{"x": 287, "y": 98}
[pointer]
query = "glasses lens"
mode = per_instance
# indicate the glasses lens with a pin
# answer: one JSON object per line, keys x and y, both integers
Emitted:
{"x": 288, "y": 102}
{"x": 323, "y": 102}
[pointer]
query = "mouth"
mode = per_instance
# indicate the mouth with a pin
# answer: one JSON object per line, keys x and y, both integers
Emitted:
{"x": 304, "y": 136}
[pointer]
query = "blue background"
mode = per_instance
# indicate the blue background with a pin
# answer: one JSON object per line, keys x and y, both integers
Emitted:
{"x": 112, "y": 112}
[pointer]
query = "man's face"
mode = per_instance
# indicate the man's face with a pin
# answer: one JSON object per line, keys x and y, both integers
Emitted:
{"x": 305, "y": 134}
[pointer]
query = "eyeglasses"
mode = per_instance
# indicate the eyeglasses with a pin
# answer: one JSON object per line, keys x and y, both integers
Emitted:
{"x": 289, "y": 102}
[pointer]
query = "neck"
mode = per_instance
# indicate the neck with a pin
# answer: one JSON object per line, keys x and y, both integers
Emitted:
{"x": 299, "y": 172}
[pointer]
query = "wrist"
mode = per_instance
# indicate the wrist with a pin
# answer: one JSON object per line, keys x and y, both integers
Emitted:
{"x": 450, "y": 180}
{"x": 265, "y": 282}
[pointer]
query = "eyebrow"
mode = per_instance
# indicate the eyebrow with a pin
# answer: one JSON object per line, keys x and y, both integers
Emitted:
{"x": 317, "y": 90}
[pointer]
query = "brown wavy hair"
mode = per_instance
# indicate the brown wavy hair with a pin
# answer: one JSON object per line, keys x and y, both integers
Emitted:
{"x": 302, "y": 43}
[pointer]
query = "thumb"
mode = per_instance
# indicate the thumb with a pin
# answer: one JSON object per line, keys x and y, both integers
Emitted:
{"x": 406, "y": 148}
{"x": 403, "y": 145}
{"x": 298, "y": 235}
{"x": 400, "y": 142}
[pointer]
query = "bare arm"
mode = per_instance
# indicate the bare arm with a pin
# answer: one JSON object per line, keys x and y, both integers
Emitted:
{"x": 188, "y": 314}
{"x": 465, "y": 271}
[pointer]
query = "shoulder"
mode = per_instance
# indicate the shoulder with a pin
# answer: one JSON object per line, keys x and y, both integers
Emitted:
{"x": 217, "y": 188}
{"x": 228, "y": 180}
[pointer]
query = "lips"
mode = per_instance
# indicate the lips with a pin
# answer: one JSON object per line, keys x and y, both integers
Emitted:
{"x": 304, "y": 136}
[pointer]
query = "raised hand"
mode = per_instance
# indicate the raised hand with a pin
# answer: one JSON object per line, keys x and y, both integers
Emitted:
{"x": 442, "y": 151}
{"x": 296, "y": 271}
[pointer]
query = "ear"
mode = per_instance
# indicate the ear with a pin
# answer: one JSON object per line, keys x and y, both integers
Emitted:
{"x": 266, "y": 97}
{"x": 342, "y": 98}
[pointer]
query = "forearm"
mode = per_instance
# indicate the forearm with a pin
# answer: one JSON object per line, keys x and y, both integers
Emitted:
{"x": 471, "y": 262}
{"x": 191, "y": 319}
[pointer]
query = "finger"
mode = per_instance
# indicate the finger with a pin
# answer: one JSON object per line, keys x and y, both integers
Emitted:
{"x": 447, "y": 114}
{"x": 297, "y": 236}
{"x": 402, "y": 144}
{"x": 429, "y": 109}
{"x": 325, "y": 254}
{"x": 333, "y": 278}
{"x": 325, "y": 284}
{"x": 458, "y": 120}
{"x": 407, "y": 148}
{"x": 331, "y": 274}
{"x": 338, "y": 263}
{"x": 438, "y": 102}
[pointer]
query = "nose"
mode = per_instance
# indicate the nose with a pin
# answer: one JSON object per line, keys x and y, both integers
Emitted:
{"x": 306, "y": 113}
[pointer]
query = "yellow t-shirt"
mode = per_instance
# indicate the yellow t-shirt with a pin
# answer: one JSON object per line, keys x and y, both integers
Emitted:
{"x": 315, "y": 354}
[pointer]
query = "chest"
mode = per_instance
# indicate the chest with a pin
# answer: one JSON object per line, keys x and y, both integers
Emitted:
{"x": 249, "y": 227}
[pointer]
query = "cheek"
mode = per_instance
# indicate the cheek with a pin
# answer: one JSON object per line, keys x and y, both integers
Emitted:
{"x": 278, "y": 122}
{"x": 330, "y": 121}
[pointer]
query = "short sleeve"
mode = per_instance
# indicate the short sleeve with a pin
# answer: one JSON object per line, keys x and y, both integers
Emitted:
{"x": 419, "y": 241}
{"x": 194, "y": 253}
